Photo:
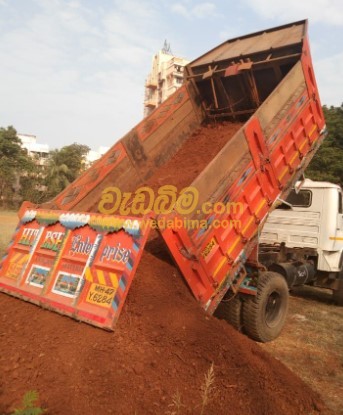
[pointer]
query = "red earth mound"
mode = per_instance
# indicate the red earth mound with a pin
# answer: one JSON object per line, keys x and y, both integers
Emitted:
{"x": 163, "y": 344}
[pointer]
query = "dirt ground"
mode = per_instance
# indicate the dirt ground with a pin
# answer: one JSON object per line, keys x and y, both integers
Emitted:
{"x": 164, "y": 344}
{"x": 311, "y": 344}
{"x": 159, "y": 358}
{"x": 166, "y": 355}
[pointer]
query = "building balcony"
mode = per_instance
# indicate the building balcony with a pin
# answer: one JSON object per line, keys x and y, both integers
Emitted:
{"x": 150, "y": 102}
{"x": 151, "y": 82}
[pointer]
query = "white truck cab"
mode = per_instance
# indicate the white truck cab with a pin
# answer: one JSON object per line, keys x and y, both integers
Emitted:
{"x": 305, "y": 232}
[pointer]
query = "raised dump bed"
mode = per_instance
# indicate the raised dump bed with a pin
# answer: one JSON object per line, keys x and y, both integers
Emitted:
{"x": 225, "y": 146}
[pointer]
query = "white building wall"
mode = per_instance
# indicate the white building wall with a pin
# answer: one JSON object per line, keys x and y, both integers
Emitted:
{"x": 41, "y": 151}
{"x": 36, "y": 150}
{"x": 93, "y": 156}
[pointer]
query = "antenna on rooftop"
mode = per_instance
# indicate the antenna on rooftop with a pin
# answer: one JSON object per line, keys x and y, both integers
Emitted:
{"x": 166, "y": 48}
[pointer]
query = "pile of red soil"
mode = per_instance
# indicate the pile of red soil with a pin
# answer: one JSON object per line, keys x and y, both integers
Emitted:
{"x": 195, "y": 154}
{"x": 163, "y": 344}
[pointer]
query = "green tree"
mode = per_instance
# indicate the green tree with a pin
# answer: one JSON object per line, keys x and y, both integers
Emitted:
{"x": 73, "y": 157}
{"x": 13, "y": 162}
{"x": 327, "y": 164}
{"x": 64, "y": 166}
{"x": 32, "y": 182}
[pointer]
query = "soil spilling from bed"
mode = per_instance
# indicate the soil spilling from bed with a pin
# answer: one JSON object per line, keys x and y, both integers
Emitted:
{"x": 195, "y": 154}
{"x": 163, "y": 346}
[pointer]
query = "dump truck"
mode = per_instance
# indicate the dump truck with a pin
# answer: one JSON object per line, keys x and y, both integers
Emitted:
{"x": 302, "y": 238}
{"x": 257, "y": 95}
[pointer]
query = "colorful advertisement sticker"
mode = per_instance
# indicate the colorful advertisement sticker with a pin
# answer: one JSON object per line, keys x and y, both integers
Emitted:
{"x": 78, "y": 264}
{"x": 67, "y": 285}
{"x": 110, "y": 275}
{"x": 43, "y": 254}
{"x": 77, "y": 253}
{"x": 37, "y": 276}
{"x": 16, "y": 259}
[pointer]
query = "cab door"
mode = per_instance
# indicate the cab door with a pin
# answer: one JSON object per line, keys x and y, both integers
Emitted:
{"x": 338, "y": 238}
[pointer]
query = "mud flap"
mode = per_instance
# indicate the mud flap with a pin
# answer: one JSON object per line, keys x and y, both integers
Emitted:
{"x": 77, "y": 264}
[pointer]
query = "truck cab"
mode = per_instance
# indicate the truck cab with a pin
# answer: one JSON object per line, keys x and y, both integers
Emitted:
{"x": 305, "y": 231}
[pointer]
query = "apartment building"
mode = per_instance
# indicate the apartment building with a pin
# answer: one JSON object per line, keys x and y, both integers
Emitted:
{"x": 166, "y": 76}
{"x": 39, "y": 152}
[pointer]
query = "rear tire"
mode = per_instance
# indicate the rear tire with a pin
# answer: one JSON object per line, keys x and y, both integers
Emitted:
{"x": 264, "y": 315}
{"x": 337, "y": 295}
{"x": 230, "y": 310}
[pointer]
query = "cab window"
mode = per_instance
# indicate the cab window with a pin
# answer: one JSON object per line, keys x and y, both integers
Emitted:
{"x": 300, "y": 199}
{"x": 340, "y": 207}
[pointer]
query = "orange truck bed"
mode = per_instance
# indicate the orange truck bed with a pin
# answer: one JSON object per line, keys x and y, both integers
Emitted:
{"x": 258, "y": 95}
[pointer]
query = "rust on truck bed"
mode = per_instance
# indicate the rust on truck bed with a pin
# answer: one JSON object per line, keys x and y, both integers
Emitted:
{"x": 238, "y": 75}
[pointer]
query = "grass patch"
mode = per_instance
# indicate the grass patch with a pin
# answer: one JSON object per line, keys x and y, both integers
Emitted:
{"x": 207, "y": 389}
{"x": 29, "y": 405}
{"x": 8, "y": 223}
{"x": 311, "y": 344}
{"x": 207, "y": 395}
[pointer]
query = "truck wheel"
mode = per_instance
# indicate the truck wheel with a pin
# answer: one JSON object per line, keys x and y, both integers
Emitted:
{"x": 337, "y": 295}
{"x": 230, "y": 309}
{"x": 264, "y": 315}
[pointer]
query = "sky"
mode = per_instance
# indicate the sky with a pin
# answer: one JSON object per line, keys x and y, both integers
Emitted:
{"x": 74, "y": 70}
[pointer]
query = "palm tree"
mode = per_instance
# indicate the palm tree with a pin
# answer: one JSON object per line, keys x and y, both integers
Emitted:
{"x": 57, "y": 175}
